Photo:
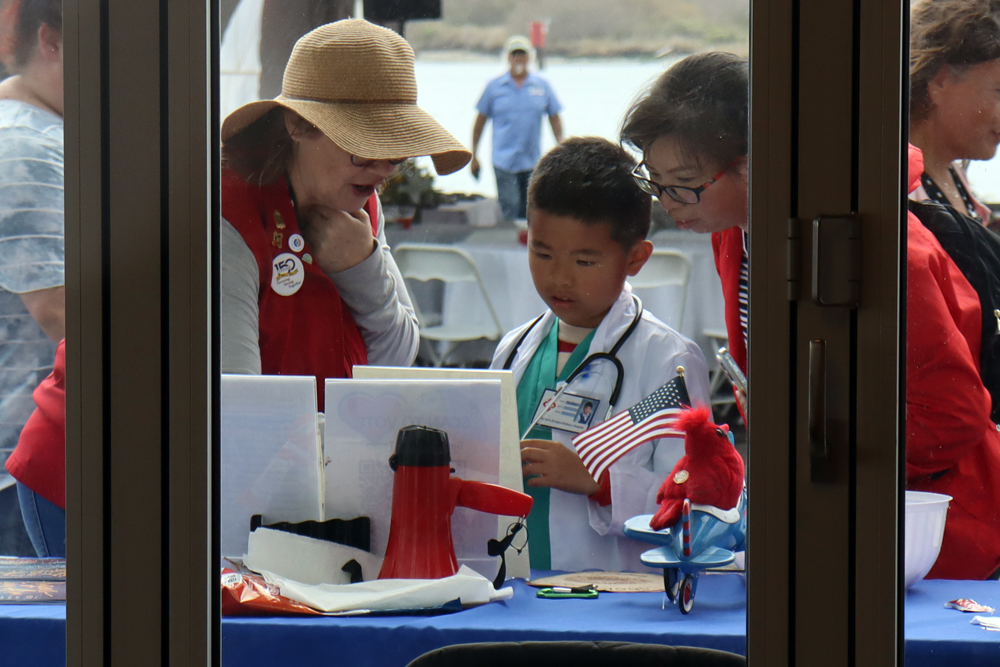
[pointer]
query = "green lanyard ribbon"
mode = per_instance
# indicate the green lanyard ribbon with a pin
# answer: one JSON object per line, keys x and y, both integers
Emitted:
{"x": 539, "y": 376}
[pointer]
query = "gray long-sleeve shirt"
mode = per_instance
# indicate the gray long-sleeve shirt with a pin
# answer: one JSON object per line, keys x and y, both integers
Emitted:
{"x": 373, "y": 291}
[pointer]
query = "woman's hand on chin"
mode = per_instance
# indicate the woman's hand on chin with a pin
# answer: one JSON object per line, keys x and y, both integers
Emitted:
{"x": 338, "y": 240}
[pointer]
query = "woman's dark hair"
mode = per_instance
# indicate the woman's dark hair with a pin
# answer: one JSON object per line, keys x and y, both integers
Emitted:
{"x": 702, "y": 102}
{"x": 590, "y": 179}
{"x": 19, "y": 24}
{"x": 957, "y": 33}
{"x": 260, "y": 153}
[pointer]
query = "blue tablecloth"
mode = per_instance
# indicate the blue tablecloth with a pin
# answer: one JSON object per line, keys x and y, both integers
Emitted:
{"x": 34, "y": 635}
{"x": 938, "y": 636}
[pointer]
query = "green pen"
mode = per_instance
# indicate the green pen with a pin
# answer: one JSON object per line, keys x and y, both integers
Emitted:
{"x": 565, "y": 593}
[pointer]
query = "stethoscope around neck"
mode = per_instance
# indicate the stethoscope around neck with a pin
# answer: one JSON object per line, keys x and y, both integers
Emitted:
{"x": 611, "y": 355}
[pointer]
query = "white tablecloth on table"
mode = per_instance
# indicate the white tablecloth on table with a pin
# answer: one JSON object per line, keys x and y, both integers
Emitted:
{"x": 503, "y": 264}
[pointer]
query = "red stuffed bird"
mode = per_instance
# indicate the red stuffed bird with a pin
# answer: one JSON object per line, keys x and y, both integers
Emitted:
{"x": 709, "y": 473}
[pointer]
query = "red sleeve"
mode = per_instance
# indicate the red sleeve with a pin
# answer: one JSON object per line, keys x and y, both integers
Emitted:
{"x": 603, "y": 497}
{"x": 39, "y": 460}
{"x": 947, "y": 406}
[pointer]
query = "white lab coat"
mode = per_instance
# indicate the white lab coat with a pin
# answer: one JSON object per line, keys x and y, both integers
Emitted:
{"x": 583, "y": 534}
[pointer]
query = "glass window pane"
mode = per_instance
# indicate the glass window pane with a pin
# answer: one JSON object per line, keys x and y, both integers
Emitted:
{"x": 362, "y": 238}
{"x": 952, "y": 520}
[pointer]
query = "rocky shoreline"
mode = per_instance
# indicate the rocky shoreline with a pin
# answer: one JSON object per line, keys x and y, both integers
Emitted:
{"x": 429, "y": 37}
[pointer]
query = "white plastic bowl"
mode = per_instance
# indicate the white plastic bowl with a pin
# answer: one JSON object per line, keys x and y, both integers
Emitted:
{"x": 925, "y": 516}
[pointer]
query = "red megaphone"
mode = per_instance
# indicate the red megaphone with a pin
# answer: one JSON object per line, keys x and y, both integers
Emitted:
{"x": 424, "y": 495}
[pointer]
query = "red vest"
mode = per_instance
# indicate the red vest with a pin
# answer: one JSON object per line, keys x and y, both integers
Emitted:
{"x": 727, "y": 246}
{"x": 310, "y": 331}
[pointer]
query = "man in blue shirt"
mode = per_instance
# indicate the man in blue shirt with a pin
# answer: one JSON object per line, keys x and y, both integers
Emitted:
{"x": 516, "y": 101}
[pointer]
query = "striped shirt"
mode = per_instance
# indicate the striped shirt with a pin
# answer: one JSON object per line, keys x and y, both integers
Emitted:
{"x": 31, "y": 255}
{"x": 569, "y": 337}
{"x": 744, "y": 293}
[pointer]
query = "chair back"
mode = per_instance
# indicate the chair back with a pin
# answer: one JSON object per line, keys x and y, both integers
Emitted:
{"x": 666, "y": 268}
{"x": 576, "y": 654}
{"x": 448, "y": 264}
{"x": 435, "y": 262}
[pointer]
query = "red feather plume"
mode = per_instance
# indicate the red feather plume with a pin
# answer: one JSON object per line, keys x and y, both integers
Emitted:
{"x": 691, "y": 419}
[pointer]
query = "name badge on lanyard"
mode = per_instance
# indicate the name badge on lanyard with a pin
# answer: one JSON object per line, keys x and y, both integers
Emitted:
{"x": 569, "y": 412}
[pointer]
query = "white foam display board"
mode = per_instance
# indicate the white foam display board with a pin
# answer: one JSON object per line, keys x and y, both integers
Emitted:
{"x": 271, "y": 455}
{"x": 362, "y": 420}
{"x": 510, "y": 444}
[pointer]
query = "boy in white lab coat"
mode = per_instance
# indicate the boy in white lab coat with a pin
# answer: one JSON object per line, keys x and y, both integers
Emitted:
{"x": 587, "y": 226}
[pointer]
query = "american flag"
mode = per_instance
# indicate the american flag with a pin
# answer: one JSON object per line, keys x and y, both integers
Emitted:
{"x": 647, "y": 420}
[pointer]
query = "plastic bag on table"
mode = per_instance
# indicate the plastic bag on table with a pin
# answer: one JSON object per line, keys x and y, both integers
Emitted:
{"x": 249, "y": 595}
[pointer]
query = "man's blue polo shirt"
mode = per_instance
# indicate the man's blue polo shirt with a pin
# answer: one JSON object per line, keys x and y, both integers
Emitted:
{"x": 517, "y": 119}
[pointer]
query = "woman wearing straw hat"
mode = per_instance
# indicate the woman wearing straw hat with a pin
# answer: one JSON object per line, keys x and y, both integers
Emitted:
{"x": 308, "y": 284}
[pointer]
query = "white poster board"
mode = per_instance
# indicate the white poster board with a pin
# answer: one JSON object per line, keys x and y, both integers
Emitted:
{"x": 271, "y": 455}
{"x": 510, "y": 443}
{"x": 362, "y": 420}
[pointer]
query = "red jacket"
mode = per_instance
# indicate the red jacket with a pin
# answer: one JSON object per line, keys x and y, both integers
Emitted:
{"x": 308, "y": 330}
{"x": 952, "y": 447}
{"x": 39, "y": 460}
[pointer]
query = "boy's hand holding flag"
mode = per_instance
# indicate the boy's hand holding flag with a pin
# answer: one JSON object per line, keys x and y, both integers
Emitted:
{"x": 649, "y": 419}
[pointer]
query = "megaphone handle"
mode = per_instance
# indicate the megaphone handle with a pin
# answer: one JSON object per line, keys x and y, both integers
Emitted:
{"x": 493, "y": 499}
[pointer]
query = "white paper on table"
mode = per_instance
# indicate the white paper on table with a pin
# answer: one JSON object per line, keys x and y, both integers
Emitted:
{"x": 510, "y": 443}
{"x": 306, "y": 559}
{"x": 271, "y": 459}
{"x": 988, "y": 622}
{"x": 468, "y": 586}
{"x": 362, "y": 420}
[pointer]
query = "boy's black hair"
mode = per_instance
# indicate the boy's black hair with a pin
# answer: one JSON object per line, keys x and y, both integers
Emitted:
{"x": 590, "y": 179}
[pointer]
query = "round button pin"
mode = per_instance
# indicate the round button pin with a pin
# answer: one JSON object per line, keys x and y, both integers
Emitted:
{"x": 296, "y": 242}
{"x": 287, "y": 274}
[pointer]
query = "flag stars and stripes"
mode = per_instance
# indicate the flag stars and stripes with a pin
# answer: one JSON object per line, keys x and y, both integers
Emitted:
{"x": 652, "y": 418}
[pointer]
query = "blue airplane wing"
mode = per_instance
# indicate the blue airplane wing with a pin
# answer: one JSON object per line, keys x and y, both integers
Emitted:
{"x": 666, "y": 557}
{"x": 638, "y": 529}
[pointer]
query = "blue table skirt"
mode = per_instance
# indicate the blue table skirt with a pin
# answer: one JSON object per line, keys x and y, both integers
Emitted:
{"x": 718, "y": 621}
{"x": 33, "y": 635}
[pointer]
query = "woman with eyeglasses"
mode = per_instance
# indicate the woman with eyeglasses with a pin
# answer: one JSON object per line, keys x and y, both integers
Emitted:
{"x": 691, "y": 127}
{"x": 692, "y": 130}
{"x": 309, "y": 286}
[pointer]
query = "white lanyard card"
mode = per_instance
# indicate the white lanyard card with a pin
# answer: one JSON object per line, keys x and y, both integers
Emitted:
{"x": 569, "y": 412}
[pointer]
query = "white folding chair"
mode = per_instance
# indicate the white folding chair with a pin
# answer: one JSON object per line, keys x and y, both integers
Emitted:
{"x": 424, "y": 262}
{"x": 666, "y": 268}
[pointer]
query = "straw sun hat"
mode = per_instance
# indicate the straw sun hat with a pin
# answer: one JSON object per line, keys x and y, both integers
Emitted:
{"x": 354, "y": 81}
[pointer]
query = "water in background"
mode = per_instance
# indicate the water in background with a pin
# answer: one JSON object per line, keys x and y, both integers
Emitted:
{"x": 595, "y": 94}
{"x": 985, "y": 180}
